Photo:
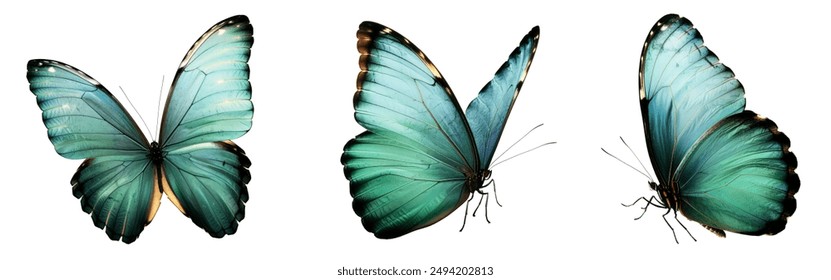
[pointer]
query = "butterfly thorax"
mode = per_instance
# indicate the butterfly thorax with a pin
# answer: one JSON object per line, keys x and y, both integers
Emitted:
{"x": 155, "y": 154}
{"x": 477, "y": 180}
{"x": 668, "y": 195}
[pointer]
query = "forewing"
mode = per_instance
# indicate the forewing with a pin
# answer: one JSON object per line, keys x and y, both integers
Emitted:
{"x": 488, "y": 112}
{"x": 82, "y": 118}
{"x": 401, "y": 95}
{"x": 210, "y": 99}
{"x": 684, "y": 90}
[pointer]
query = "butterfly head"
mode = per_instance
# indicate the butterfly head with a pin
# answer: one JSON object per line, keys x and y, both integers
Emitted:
{"x": 485, "y": 175}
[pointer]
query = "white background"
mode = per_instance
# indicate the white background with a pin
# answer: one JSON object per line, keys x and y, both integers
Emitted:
{"x": 562, "y": 216}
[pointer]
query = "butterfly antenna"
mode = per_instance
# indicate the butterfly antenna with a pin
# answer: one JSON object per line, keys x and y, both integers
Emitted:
{"x": 522, "y": 153}
{"x": 158, "y": 112}
{"x": 636, "y": 157}
{"x": 630, "y": 166}
{"x": 517, "y": 141}
{"x": 137, "y": 112}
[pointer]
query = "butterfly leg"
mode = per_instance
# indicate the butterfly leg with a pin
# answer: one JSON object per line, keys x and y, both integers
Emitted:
{"x": 639, "y": 199}
{"x": 685, "y": 227}
{"x": 487, "y": 197}
{"x": 648, "y": 202}
{"x": 670, "y": 226}
{"x": 494, "y": 193}
{"x": 467, "y": 206}
{"x": 481, "y": 197}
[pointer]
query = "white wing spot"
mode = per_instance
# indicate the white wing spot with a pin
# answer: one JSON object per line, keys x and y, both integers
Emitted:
{"x": 221, "y": 31}
{"x": 51, "y": 70}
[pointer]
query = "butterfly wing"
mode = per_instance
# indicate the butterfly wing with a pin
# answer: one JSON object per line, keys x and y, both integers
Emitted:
{"x": 489, "y": 111}
{"x": 84, "y": 120}
{"x": 408, "y": 170}
{"x": 208, "y": 181}
{"x": 120, "y": 192}
{"x": 210, "y": 104}
{"x": 210, "y": 99}
{"x": 740, "y": 177}
{"x": 684, "y": 90}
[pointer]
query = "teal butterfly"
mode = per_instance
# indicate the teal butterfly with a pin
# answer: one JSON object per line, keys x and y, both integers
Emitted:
{"x": 722, "y": 166}
{"x": 421, "y": 156}
{"x": 194, "y": 163}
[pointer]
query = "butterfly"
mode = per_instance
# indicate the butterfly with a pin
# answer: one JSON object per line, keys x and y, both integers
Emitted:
{"x": 421, "y": 156}
{"x": 720, "y": 165}
{"x": 194, "y": 162}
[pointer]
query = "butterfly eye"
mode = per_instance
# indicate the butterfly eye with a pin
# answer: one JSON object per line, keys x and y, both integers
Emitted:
{"x": 653, "y": 186}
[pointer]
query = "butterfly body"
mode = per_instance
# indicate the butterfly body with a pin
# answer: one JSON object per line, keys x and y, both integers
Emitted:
{"x": 155, "y": 154}
{"x": 718, "y": 164}
{"x": 121, "y": 181}
{"x": 422, "y": 156}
